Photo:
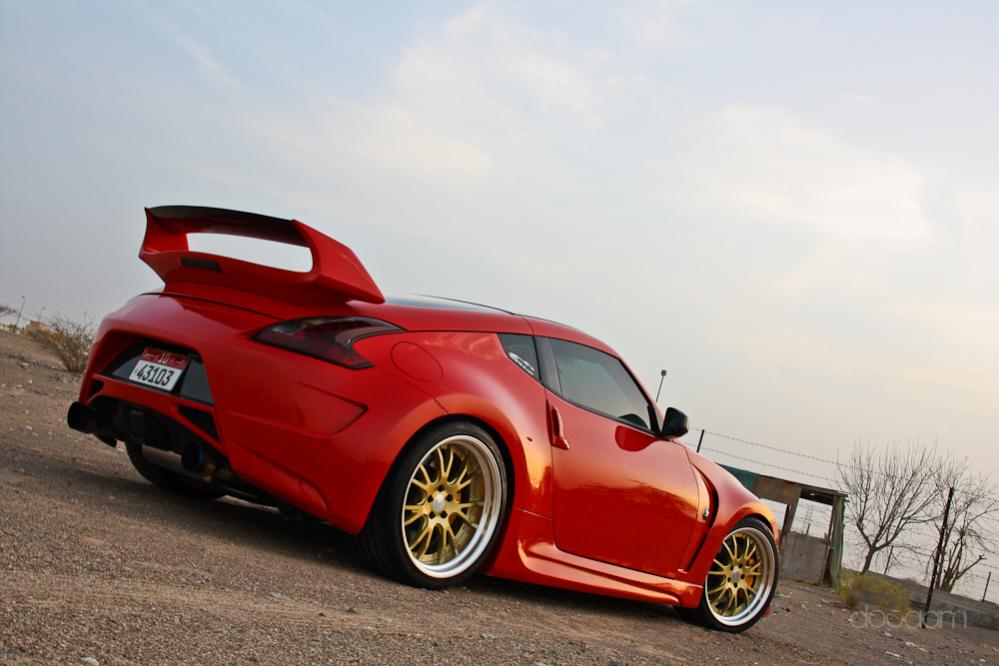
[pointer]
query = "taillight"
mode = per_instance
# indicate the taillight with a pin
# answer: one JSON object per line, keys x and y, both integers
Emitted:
{"x": 329, "y": 338}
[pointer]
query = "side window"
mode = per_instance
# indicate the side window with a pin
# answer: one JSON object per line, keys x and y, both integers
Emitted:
{"x": 599, "y": 382}
{"x": 520, "y": 349}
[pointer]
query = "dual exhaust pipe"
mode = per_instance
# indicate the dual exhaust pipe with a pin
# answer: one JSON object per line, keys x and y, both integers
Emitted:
{"x": 196, "y": 460}
{"x": 83, "y": 418}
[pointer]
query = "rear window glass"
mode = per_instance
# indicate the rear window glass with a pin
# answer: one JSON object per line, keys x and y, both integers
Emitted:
{"x": 520, "y": 349}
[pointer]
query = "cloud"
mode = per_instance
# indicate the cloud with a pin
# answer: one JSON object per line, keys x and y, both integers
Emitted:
{"x": 651, "y": 25}
{"x": 457, "y": 99}
{"x": 208, "y": 65}
{"x": 470, "y": 125}
{"x": 767, "y": 166}
{"x": 483, "y": 63}
{"x": 387, "y": 137}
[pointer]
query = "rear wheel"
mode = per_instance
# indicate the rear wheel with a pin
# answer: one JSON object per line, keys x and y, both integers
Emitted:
{"x": 439, "y": 513}
{"x": 741, "y": 581}
{"x": 167, "y": 480}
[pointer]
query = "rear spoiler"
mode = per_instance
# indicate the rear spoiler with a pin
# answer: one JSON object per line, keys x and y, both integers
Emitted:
{"x": 336, "y": 275}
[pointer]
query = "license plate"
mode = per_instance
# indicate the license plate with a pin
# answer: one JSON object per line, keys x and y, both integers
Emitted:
{"x": 159, "y": 369}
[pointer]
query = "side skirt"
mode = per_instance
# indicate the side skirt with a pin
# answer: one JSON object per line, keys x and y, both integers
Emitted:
{"x": 529, "y": 555}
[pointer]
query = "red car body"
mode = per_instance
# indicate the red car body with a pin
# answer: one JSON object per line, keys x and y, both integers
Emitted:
{"x": 597, "y": 504}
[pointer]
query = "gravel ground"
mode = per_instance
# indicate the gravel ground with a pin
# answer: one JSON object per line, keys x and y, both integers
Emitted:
{"x": 97, "y": 566}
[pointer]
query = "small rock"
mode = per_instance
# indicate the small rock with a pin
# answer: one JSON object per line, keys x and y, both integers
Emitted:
{"x": 90, "y": 661}
{"x": 351, "y": 610}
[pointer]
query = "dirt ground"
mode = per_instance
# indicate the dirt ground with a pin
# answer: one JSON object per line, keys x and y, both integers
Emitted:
{"x": 96, "y": 565}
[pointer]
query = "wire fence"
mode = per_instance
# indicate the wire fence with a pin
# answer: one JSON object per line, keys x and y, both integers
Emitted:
{"x": 910, "y": 558}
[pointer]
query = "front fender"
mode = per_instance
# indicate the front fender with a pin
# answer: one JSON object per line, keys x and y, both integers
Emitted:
{"x": 734, "y": 502}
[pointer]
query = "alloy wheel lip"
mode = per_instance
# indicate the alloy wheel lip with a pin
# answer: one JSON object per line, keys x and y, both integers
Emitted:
{"x": 759, "y": 601}
{"x": 488, "y": 522}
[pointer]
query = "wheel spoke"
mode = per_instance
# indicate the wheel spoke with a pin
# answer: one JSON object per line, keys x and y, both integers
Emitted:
{"x": 446, "y": 474}
{"x": 733, "y": 601}
{"x": 426, "y": 476}
{"x": 745, "y": 548}
{"x": 441, "y": 473}
{"x": 451, "y": 537}
{"x": 441, "y": 544}
{"x": 424, "y": 538}
{"x": 458, "y": 485}
{"x": 468, "y": 521}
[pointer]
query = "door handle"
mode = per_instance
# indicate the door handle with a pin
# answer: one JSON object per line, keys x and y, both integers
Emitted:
{"x": 557, "y": 432}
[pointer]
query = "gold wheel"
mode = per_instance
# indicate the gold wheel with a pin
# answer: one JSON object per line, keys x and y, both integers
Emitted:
{"x": 451, "y": 506}
{"x": 741, "y": 577}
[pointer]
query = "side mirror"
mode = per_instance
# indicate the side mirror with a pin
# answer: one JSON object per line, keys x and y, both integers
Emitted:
{"x": 675, "y": 423}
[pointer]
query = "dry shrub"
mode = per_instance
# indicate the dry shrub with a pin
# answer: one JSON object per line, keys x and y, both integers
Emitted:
{"x": 69, "y": 340}
{"x": 869, "y": 588}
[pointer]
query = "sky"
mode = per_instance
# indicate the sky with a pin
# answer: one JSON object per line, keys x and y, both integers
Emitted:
{"x": 791, "y": 207}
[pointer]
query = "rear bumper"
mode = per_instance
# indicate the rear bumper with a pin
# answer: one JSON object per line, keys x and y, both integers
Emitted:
{"x": 308, "y": 432}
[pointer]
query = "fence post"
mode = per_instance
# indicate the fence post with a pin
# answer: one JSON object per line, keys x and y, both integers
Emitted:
{"x": 699, "y": 440}
{"x": 937, "y": 556}
{"x": 17, "y": 324}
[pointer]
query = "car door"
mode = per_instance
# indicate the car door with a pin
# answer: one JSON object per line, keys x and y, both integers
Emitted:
{"x": 622, "y": 495}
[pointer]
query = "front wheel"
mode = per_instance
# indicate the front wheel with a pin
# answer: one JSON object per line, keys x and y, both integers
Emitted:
{"x": 440, "y": 510}
{"x": 742, "y": 580}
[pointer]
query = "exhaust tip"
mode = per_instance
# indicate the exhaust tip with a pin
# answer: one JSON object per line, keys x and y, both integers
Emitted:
{"x": 197, "y": 458}
{"x": 81, "y": 417}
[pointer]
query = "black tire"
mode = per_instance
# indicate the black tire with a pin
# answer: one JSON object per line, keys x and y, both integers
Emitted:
{"x": 167, "y": 480}
{"x": 384, "y": 540}
{"x": 704, "y": 615}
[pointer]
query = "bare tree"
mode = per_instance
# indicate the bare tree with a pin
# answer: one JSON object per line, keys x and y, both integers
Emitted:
{"x": 971, "y": 526}
{"x": 7, "y": 311}
{"x": 891, "y": 490}
{"x": 69, "y": 340}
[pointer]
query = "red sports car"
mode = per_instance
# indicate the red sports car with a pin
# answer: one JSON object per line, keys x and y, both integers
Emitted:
{"x": 450, "y": 438}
